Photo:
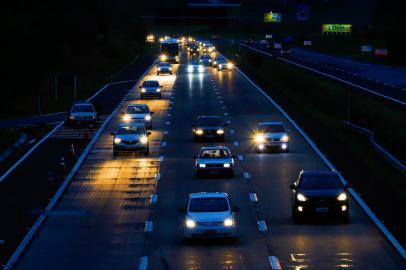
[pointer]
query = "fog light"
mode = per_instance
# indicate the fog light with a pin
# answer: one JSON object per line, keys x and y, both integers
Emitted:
{"x": 343, "y": 208}
{"x": 144, "y": 139}
{"x": 202, "y": 165}
{"x": 261, "y": 147}
{"x": 143, "y": 90}
{"x": 284, "y": 146}
{"x": 300, "y": 208}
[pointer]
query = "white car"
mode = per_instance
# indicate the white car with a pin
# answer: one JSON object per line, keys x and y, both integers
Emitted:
{"x": 195, "y": 67}
{"x": 271, "y": 135}
{"x": 214, "y": 160}
{"x": 82, "y": 113}
{"x": 131, "y": 137}
{"x": 164, "y": 67}
{"x": 138, "y": 113}
{"x": 209, "y": 215}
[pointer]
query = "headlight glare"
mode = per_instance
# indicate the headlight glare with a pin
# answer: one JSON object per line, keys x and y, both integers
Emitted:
{"x": 226, "y": 165}
{"x": 220, "y": 131}
{"x": 144, "y": 139}
{"x": 148, "y": 117}
{"x": 117, "y": 140}
{"x": 190, "y": 223}
{"x": 202, "y": 165}
{"x": 143, "y": 90}
{"x": 228, "y": 222}
{"x": 259, "y": 138}
{"x": 342, "y": 197}
{"x": 199, "y": 132}
{"x": 126, "y": 118}
{"x": 285, "y": 138}
{"x": 300, "y": 197}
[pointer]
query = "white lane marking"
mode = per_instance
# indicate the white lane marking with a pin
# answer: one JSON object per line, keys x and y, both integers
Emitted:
{"x": 262, "y": 226}
{"x": 232, "y": 131}
{"x": 236, "y": 143}
{"x": 274, "y": 263}
{"x": 169, "y": 108}
{"x": 225, "y": 114}
{"x": 223, "y": 107}
{"x": 166, "y": 132}
{"x": 143, "y": 263}
{"x": 357, "y": 198}
{"x": 158, "y": 177}
{"x": 149, "y": 226}
{"x": 240, "y": 157}
{"x": 169, "y": 115}
{"x": 168, "y": 123}
{"x": 246, "y": 175}
{"x": 221, "y": 102}
{"x": 228, "y": 122}
{"x": 161, "y": 158}
{"x": 163, "y": 144}
{"x": 154, "y": 198}
{"x": 253, "y": 197}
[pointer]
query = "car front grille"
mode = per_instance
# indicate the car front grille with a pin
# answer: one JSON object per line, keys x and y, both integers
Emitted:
{"x": 214, "y": 165}
{"x": 209, "y": 223}
{"x": 130, "y": 142}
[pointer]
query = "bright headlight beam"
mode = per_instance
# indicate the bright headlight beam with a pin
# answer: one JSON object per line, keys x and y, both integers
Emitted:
{"x": 148, "y": 117}
{"x": 220, "y": 131}
{"x": 226, "y": 165}
{"x": 144, "y": 139}
{"x": 202, "y": 165}
{"x": 228, "y": 222}
{"x": 117, "y": 140}
{"x": 300, "y": 197}
{"x": 126, "y": 118}
{"x": 342, "y": 197}
{"x": 285, "y": 138}
{"x": 259, "y": 138}
{"x": 199, "y": 132}
{"x": 190, "y": 223}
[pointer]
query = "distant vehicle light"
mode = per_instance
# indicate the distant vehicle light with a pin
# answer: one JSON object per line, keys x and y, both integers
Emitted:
{"x": 230, "y": 65}
{"x": 228, "y": 222}
{"x": 220, "y": 131}
{"x": 164, "y": 57}
{"x": 285, "y": 138}
{"x": 226, "y": 165}
{"x": 190, "y": 223}
{"x": 202, "y": 165}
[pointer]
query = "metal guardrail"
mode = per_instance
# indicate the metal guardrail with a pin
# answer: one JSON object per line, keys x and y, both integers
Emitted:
{"x": 380, "y": 149}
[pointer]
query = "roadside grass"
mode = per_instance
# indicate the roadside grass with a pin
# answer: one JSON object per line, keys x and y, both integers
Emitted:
{"x": 318, "y": 105}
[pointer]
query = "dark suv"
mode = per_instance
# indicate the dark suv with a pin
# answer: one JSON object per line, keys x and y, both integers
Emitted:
{"x": 208, "y": 127}
{"x": 318, "y": 193}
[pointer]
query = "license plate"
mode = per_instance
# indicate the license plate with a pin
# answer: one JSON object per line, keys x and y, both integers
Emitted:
{"x": 210, "y": 232}
{"x": 209, "y": 136}
{"x": 322, "y": 210}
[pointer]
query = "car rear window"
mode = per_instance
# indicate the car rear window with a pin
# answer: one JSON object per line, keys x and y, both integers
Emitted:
{"x": 208, "y": 205}
{"x": 277, "y": 128}
{"x": 320, "y": 182}
{"x": 82, "y": 108}
{"x": 214, "y": 153}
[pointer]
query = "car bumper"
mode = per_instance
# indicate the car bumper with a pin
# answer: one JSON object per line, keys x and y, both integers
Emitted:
{"x": 167, "y": 71}
{"x": 273, "y": 145}
{"x": 151, "y": 94}
{"x": 210, "y": 232}
{"x": 130, "y": 147}
{"x": 211, "y": 136}
{"x": 79, "y": 122}
{"x": 147, "y": 124}
{"x": 315, "y": 209}
{"x": 214, "y": 170}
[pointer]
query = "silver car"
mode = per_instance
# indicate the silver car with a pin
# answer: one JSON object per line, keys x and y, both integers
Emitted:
{"x": 150, "y": 89}
{"x": 195, "y": 67}
{"x": 164, "y": 67}
{"x": 81, "y": 113}
{"x": 214, "y": 160}
{"x": 209, "y": 215}
{"x": 271, "y": 135}
{"x": 131, "y": 137}
{"x": 205, "y": 59}
{"x": 138, "y": 113}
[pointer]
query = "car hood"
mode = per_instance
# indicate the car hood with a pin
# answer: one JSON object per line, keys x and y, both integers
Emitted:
{"x": 129, "y": 137}
{"x": 275, "y": 135}
{"x": 321, "y": 192}
{"x": 209, "y": 127}
{"x": 138, "y": 115}
{"x": 151, "y": 88}
{"x": 83, "y": 114}
{"x": 215, "y": 161}
{"x": 209, "y": 216}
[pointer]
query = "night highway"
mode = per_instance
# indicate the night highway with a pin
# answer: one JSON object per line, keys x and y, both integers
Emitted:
{"x": 203, "y": 135}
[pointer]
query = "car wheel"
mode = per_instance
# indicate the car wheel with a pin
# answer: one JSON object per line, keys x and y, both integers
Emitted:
{"x": 146, "y": 152}
{"x": 345, "y": 218}
{"x": 115, "y": 153}
{"x": 296, "y": 218}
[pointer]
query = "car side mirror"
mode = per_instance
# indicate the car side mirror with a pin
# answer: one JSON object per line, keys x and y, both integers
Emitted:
{"x": 235, "y": 209}
{"x": 140, "y": 86}
{"x": 112, "y": 134}
{"x": 149, "y": 133}
{"x": 182, "y": 210}
{"x": 233, "y": 156}
{"x": 151, "y": 112}
{"x": 194, "y": 157}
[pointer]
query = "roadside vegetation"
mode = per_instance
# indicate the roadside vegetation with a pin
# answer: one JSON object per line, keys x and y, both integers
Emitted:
{"x": 319, "y": 106}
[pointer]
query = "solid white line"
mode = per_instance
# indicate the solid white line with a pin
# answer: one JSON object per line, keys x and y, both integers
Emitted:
{"x": 225, "y": 114}
{"x": 240, "y": 157}
{"x": 163, "y": 144}
{"x": 15, "y": 165}
{"x": 228, "y": 122}
{"x": 168, "y": 123}
{"x": 274, "y": 263}
{"x": 161, "y": 158}
{"x": 236, "y": 143}
{"x": 333, "y": 77}
{"x": 262, "y": 226}
{"x": 247, "y": 175}
{"x": 253, "y": 197}
{"x": 154, "y": 198}
{"x": 166, "y": 132}
{"x": 149, "y": 226}
{"x": 232, "y": 131}
{"x": 27, "y": 238}
{"x": 358, "y": 199}
{"x": 143, "y": 263}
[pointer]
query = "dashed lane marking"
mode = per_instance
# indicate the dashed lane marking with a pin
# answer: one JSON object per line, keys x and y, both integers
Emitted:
{"x": 154, "y": 198}
{"x": 240, "y": 157}
{"x": 253, "y": 197}
{"x": 274, "y": 263}
{"x": 262, "y": 226}
{"x": 247, "y": 175}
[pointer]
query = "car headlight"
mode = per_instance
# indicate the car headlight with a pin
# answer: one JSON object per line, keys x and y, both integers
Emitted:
{"x": 144, "y": 139}
{"x": 259, "y": 138}
{"x": 163, "y": 57}
{"x": 209, "y": 60}
{"x": 228, "y": 222}
{"x": 220, "y": 65}
{"x": 202, "y": 165}
{"x": 226, "y": 165}
{"x": 215, "y": 62}
{"x": 159, "y": 69}
{"x": 201, "y": 68}
{"x": 72, "y": 117}
{"x": 143, "y": 90}
{"x": 285, "y": 138}
{"x": 190, "y": 223}
{"x": 117, "y": 140}
{"x": 126, "y": 118}
{"x": 300, "y": 197}
{"x": 220, "y": 131}
{"x": 342, "y": 197}
{"x": 158, "y": 89}
{"x": 229, "y": 65}
{"x": 190, "y": 68}
{"x": 148, "y": 117}
{"x": 170, "y": 68}
{"x": 199, "y": 131}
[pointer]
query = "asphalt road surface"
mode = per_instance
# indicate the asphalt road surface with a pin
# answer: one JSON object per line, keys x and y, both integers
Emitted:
{"x": 100, "y": 222}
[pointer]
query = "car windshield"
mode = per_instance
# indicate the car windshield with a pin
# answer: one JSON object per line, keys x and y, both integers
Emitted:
{"x": 82, "y": 108}
{"x": 214, "y": 153}
{"x": 205, "y": 56}
{"x": 208, "y": 121}
{"x": 208, "y": 205}
{"x": 221, "y": 61}
{"x": 164, "y": 64}
{"x": 320, "y": 182}
{"x": 137, "y": 109}
{"x": 130, "y": 130}
{"x": 277, "y": 128}
{"x": 194, "y": 62}
{"x": 151, "y": 84}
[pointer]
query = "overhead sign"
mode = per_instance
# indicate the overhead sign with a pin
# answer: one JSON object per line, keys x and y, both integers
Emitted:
{"x": 366, "y": 48}
{"x": 336, "y": 28}
{"x": 273, "y": 17}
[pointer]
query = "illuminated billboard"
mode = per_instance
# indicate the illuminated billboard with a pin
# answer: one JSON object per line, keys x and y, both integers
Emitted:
{"x": 336, "y": 28}
{"x": 214, "y": 3}
{"x": 272, "y": 17}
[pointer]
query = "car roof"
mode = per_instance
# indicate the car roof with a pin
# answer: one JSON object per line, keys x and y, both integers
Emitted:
{"x": 137, "y": 105}
{"x": 82, "y": 103}
{"x": 208, "y": 195}
{"x": 213, "y": 147}
{"x": 270, "y": 123}
{"x": 151, "y": 81}
{"x": 317, "y": 173}
{"x": 133, "y": 124}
